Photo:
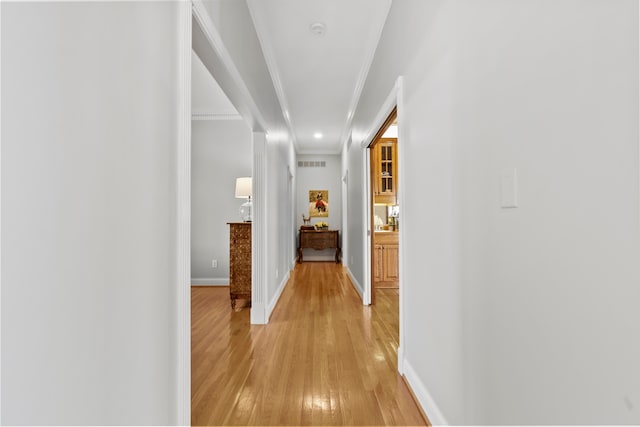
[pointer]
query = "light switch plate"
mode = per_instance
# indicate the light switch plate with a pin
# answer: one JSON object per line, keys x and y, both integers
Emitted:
{"x": 509, "y": 189}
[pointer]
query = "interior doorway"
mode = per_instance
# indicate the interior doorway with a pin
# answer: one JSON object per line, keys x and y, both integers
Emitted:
{"x": 384, "y": 221}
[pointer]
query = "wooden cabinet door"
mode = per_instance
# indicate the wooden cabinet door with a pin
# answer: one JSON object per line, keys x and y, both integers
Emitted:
{"x": 385, "y": 266}
{"x": 378, "y": 263}
{"x": 390, "y": 263}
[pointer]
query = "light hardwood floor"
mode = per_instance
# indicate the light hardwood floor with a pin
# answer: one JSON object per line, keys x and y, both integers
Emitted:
{"x": 323, "y": 359}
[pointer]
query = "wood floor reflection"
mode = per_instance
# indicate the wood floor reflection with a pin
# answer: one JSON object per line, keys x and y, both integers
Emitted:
{"x": 323, "y": 359}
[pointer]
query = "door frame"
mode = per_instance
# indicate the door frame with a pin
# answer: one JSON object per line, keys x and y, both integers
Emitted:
{"x": 395, "y": 99}
{"x": 393, "y": 115}
{"x": 182, "y": 290}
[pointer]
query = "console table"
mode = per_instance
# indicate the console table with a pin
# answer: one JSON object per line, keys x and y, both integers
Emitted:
{"x": 318, "y": 240}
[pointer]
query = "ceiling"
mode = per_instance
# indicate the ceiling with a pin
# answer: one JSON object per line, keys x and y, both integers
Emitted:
{"x": 318, "y": 77}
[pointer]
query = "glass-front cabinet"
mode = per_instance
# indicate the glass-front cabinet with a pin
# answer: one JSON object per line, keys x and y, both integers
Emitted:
{"x": 385, "y": 160}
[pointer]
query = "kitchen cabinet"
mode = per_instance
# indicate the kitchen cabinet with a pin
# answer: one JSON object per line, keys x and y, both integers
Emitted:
{"x": 385, "y": 171}
{"x": 385, "y": 259}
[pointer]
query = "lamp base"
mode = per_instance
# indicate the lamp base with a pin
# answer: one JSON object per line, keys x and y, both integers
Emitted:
{"x": 245, "y": 211}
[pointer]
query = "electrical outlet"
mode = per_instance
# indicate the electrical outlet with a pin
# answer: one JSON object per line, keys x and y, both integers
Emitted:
{"x": 277, "y": 275}
{"x": 214, "y": 263}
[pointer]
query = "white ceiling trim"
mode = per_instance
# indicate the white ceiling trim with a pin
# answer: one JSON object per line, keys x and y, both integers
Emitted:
{"x": 272, "y": 66}
{"x": 215, "y": 40}
{"x": 362, "y": 78}
{"x": 215, "y": 116}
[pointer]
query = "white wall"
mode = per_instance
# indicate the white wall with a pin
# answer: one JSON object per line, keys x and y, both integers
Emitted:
{"x": 522, "y": 316}
{"x": 356, "y": 187}
{"x": 280, "y": 187}
{"x": 320, "y": 178}
{"x": 221, "y": 152}
{"x": 89, "y": 114}
{"x": 560, "y": 273}
{"x": 418, "y": 43}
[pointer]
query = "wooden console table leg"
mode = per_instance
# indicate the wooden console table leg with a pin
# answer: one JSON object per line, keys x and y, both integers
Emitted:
{"x": 300, "y": 255}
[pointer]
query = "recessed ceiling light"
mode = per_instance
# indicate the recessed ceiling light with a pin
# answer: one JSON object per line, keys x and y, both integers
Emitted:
{"x": 317, "y": 135}
{"x": 318, "y": 28}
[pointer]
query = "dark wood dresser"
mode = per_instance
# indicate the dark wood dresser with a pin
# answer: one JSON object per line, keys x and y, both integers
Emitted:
{"x": 239, "y": 261}
{"x": 319, "y": 239}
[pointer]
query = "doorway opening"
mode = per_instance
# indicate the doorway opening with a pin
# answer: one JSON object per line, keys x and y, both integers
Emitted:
{"x": 384, "y": 208}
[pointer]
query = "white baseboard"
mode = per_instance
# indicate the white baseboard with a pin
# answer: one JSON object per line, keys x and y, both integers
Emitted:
{"x": 319, "y": 255}
{"x": 356, "y": 284}
{"x": 276, "y": 297}
{"x": 426, "y": 401}
{"x": 329, "y": 258}
{"x": 209, "y": 281}
{"x": 258, "y": 314}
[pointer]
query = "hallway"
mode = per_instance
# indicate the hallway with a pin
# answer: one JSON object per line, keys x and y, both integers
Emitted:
{"x": 323, "y": 359}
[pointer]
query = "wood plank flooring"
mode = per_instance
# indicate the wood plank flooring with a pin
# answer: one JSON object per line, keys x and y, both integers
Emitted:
{"x": 324, "y": 358}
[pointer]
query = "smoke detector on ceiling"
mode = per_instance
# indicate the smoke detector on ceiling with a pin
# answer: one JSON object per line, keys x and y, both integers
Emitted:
{"x": 318, "y": 28}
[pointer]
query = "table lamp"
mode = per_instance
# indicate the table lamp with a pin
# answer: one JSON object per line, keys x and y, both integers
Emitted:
{"x": 243, "y": 191}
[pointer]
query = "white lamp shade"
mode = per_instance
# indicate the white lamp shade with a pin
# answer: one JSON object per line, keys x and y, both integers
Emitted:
{"x": 243, "y": 187}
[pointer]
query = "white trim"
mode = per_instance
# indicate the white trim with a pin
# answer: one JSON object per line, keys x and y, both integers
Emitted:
{"x": 366, "y": 225}
{"x": 309, "y": 254}
{"x": 259, "y": 250}
{"x": 400, "y": 360}
{"x": 210, "y": 281}
{"x": 425, "y": 399}
{"x": 402, "y": 232}
{"x": 355, "y": 282}
{"x": 0, "y": 226}
{"x": 182, "y": 289}
{"x": 215, "y": 116}
{"x": 276, "y": 297}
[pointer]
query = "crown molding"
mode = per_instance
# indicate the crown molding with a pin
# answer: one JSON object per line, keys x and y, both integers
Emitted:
{"x": 215, "y": 116}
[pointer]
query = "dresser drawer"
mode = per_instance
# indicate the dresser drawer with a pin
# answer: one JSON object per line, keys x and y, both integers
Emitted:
{"x": 319, "y": 240}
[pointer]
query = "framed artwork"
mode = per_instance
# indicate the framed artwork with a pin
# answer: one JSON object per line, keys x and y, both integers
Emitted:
{"x": 319, "y": 203}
